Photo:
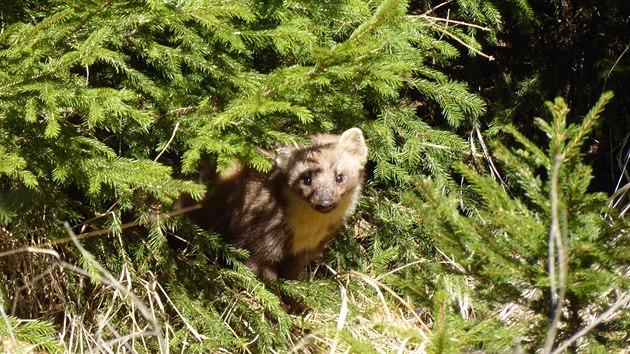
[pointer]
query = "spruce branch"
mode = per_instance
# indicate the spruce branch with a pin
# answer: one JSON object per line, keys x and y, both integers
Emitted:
{"x": 588, "y": 123}
{"x": 529, "y": 145}
{"x": 380, "y": 15}
{"x": 200, "y": 337}
{"x": 57, "y": 18}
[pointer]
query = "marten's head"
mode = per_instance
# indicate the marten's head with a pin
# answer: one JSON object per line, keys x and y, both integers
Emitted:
{"x": 326, "y": 171}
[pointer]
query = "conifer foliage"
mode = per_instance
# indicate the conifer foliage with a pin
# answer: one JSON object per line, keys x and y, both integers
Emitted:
{"x": 104, "y": 104}
{"x": 109, "y": 110}
{"x": 542, "y": 251}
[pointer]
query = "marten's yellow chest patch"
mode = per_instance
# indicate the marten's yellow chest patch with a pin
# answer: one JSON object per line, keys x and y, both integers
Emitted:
{"x": 311, "y": 227}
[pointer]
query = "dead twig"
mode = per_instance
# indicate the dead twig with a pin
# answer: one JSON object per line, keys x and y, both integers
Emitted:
{"x": 45, "y": 247}
{"x": 557, "y": 259}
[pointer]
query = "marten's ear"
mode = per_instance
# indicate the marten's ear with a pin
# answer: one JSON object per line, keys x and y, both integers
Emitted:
{"x": 284, "y": 154}
{"x": 352, "y": 141}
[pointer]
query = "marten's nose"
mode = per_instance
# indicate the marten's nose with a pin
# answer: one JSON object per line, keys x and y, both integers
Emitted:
{"x": 322, "y": 201}
{"x": 325, "y": 205}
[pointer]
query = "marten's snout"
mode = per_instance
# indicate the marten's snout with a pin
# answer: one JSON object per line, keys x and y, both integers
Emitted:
{"x": 324, "y": 206}
{"x": 323, "y": 201}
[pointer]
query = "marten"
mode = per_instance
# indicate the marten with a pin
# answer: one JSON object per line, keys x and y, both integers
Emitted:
{"x": 286, "y": 217}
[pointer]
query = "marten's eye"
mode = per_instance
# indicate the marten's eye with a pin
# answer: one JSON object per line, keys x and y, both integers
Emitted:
{"x": 341, "y": 178}
{"x": 306, "y": 180}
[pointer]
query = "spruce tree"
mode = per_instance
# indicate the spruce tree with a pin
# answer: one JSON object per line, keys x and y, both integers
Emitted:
{"x": 542, "y": 262}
